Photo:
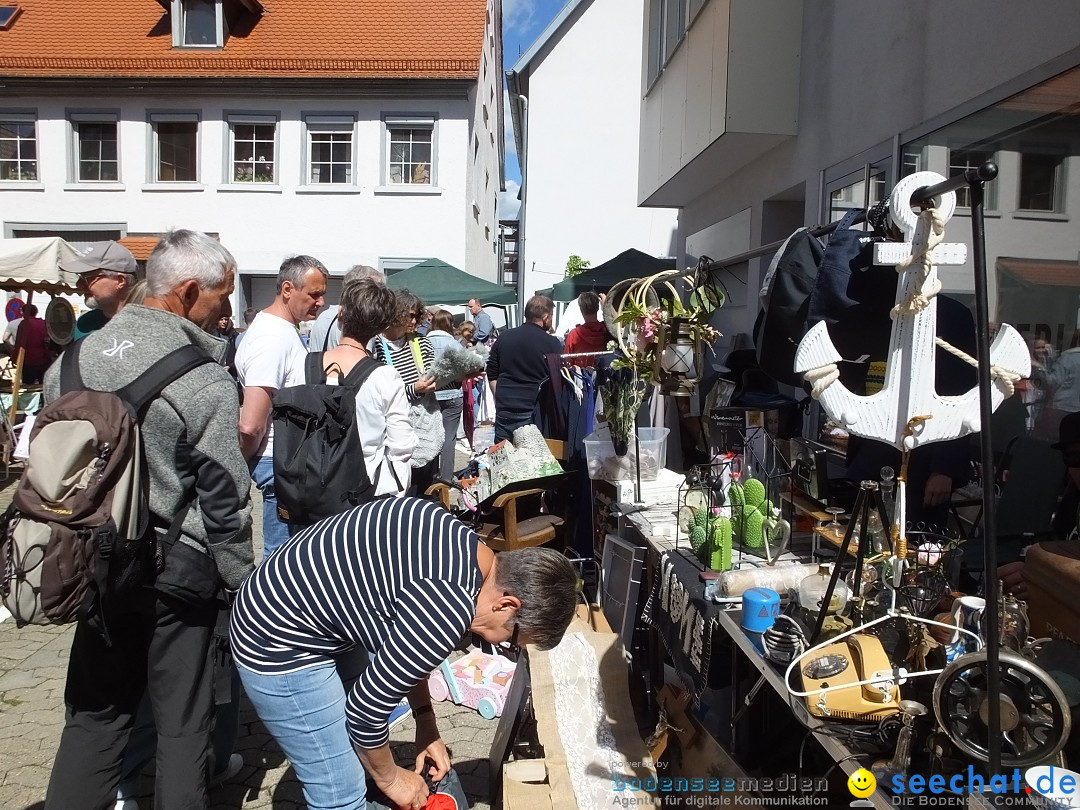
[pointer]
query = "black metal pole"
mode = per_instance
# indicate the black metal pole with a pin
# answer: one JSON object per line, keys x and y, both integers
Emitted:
{"x": 979, "y": 174}
{"x": 988, "y": 171}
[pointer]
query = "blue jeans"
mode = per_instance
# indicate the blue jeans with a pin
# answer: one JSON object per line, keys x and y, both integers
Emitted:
{"x": 275, "y": 531}
{"x": 305, "y": 711}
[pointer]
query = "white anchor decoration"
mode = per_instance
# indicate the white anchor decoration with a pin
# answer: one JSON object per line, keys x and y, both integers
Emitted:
{"x": 909, "y": 389}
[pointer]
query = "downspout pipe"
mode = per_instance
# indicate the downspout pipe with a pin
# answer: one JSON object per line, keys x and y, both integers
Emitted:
{"x": 520, "y": 106}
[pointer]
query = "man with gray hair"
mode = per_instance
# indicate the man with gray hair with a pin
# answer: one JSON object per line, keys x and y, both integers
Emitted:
{"x": 105, "y": 274}
{"x": 272, "y": 356}
{"x": 159, "y": 643}
{"x": 326, "y": 331}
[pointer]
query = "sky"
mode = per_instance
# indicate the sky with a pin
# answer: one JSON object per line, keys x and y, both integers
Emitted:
{"x": 523, "y": 22}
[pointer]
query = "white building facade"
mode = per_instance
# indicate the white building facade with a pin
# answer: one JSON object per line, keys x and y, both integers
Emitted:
{"x": 760, "y": 116}
{"x": 576, "y": 102}
{"x": 386, "y": 171}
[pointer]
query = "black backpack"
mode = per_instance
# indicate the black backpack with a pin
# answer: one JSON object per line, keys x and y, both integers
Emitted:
{"x": 319, "y": 465}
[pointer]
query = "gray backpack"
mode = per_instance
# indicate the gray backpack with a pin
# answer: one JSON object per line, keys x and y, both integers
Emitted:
{"x": 77, "y": 536}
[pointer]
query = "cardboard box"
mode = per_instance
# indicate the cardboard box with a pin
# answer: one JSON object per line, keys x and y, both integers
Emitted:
{"x": 1052, "y": 571}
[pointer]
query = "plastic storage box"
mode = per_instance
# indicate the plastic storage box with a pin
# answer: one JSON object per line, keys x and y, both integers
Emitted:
{"x": 606, "y": 466}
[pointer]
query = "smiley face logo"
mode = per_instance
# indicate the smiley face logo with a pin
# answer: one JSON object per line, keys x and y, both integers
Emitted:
{"x": 861, "y": 783}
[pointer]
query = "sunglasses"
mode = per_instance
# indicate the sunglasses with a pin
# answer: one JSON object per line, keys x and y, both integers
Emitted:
{"x": 88, "y": 278}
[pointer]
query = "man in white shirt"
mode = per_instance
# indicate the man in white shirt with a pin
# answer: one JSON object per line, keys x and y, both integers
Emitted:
{"x": 271, "y": 356}
{"x": 326, "y": 331}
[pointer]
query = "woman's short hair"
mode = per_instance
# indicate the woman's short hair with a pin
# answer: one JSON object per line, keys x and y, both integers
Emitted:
{"x": 549, "y": 589}
{"x": 443, "y": 321}
{"x": 181, "y": 255}
{"x": 367, "y": 308}
{"x": 407, "y": 302}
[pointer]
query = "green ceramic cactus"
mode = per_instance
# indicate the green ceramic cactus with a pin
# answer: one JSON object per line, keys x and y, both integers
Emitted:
{"x": 701, "y": 518}
{"x": 720, "y": 559}
{"x": 753, "y": 492}
{"x": 735, "y": 494}
{"x": 753, "y": 537}
{"x": 697, "y": 539}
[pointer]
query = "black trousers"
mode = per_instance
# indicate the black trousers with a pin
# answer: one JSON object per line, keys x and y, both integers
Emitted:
{"x": 159, "y": 646}
{"x": 506, "y": 422}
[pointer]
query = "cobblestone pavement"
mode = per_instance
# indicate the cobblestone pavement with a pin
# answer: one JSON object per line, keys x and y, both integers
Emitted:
{"x": 33, "y": 664}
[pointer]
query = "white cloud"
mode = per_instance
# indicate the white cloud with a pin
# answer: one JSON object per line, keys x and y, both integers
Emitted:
{"x": 508, "y": 201}
{"x": 518, "y": 14}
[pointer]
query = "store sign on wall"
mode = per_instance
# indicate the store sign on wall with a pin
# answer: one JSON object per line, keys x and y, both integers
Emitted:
{"x": 678, "y": 610}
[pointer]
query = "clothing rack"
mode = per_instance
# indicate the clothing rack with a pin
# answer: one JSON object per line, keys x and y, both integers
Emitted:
{"x": 764, "y": 250}
{"x": 583, "y": 354}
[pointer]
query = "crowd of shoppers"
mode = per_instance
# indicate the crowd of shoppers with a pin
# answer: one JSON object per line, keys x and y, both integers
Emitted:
{"x": 154, "y": 687}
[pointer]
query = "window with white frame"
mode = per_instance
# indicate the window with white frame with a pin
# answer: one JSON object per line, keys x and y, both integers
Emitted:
{"x": 410, "y": 146}
{"x": 96, "y": 146}
{"x": 330, "y": 149}
{"x": 198, "y": 24}
{"x": 175, "y": 147}
{"x": 252, "y": 149}
{"x": 1042, "y": 180}
{"x": 960, "y": 160}
{"x": 18, "y": 147}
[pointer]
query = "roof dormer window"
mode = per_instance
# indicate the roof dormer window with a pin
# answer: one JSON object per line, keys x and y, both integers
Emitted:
{"x": 206, "y": 23}
{"x": 198, "y": 24}
{"x": 7, "y": 16}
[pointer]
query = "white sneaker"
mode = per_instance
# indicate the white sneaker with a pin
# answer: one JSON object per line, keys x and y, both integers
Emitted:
{"x": 126, "y": 804}
{"x": 236, "y": 762}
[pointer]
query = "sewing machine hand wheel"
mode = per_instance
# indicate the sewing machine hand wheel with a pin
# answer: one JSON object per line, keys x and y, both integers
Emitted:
{"x": 1035, "y": 716}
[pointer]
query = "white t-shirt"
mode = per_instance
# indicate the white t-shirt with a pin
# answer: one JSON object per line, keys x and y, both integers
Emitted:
{"x": 271, "y": 355}
{"x": 11, "y": 330}
{"x": 387, "y": 435}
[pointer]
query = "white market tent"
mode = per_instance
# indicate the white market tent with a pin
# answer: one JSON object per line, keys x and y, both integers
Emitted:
{"x": 34, "y": 264}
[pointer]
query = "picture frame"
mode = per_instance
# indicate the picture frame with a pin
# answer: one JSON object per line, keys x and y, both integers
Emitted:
{"x": 620, "y": 585}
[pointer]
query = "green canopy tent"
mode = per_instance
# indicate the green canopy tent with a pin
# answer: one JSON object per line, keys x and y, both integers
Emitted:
{"x": 628, "y": 264}
{"x": 437, "y": 282}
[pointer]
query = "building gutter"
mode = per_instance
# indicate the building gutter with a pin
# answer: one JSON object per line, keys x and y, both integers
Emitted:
{"x": 519, "y": 113}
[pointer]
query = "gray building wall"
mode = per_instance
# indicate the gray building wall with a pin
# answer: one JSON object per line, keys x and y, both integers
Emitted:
{"x": 873, "y": 75}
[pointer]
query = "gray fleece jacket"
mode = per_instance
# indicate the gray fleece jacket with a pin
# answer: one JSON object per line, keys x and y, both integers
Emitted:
{"x": 190, "y": 433}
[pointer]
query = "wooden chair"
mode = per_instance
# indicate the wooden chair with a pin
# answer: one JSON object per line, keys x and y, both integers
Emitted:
{"x": 501, "y": 527}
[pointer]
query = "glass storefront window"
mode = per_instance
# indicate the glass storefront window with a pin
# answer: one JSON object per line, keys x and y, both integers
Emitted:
{"x": 1032, "y": 243}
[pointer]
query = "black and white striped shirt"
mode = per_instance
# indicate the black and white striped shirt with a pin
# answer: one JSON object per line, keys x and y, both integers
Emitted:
{"x": 398, "y": 577}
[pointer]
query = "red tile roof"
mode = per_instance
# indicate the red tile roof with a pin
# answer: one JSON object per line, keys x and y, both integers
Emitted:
{"x": 1041, "y": 272}
{"x": 140, "y": 246}
{"x": 292, "y": 38}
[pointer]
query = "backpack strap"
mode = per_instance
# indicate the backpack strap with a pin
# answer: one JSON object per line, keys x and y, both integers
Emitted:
{"x": 314, "y": 373}
{"x": 360, "y": 372}
{"x": 70, "y": 377}
{"x": 148, "y": 385}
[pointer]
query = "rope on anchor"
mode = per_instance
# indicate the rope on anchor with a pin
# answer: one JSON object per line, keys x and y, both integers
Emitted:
{"x": 929, "y": 232}
{"x": 1008, "y": 378}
